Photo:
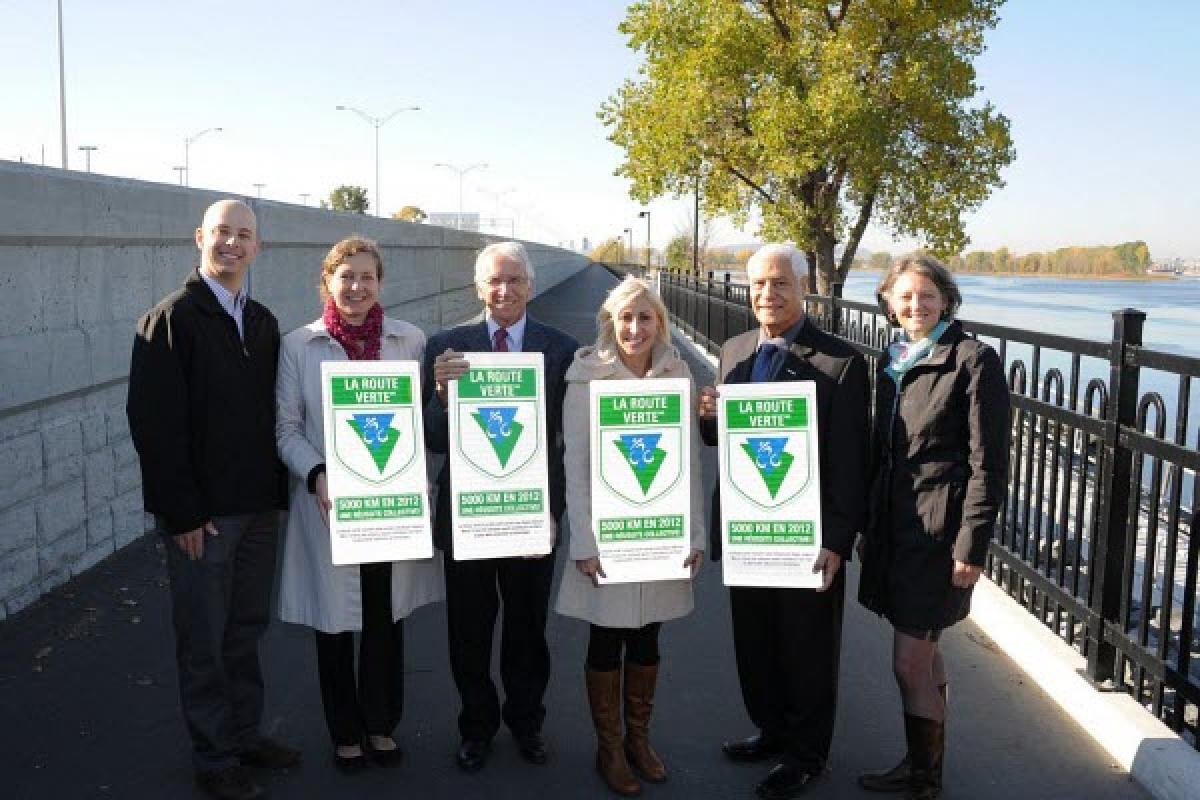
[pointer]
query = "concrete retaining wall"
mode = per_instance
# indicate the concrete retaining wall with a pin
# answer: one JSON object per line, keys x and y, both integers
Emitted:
{"x": 81, "y": 258}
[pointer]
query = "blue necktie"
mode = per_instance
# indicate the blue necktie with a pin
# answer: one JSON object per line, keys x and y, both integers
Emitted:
{"x": 761, "y": 371}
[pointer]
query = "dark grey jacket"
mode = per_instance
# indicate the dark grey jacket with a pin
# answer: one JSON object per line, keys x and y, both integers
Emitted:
{"x": 840, "y": 375}
{"x": 941, "y": 457}
{"x": 201, "y": 409}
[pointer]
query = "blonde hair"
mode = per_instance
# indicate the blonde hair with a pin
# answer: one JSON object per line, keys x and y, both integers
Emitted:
{"x": 337, "y": 255}
{"x": 621, "y": 296}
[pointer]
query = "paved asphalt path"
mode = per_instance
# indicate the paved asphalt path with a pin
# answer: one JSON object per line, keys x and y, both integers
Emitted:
{"x": 89, "y": 704}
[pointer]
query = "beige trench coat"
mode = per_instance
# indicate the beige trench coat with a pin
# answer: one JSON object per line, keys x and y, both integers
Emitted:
{"x": 616, "y": 605}
{"x": 312, "y": 590}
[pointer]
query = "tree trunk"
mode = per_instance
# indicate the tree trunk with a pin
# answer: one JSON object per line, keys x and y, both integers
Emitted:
{"x": 827, "y": 268}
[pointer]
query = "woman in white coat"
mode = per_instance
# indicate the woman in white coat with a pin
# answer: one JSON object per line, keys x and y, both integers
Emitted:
{"x": 633, "y": 341}
{"x": 336, "y": 601}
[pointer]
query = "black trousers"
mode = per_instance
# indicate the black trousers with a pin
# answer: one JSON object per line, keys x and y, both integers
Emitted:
{"x": 220, "y": 606}
{"x": 787, "y": 643}
{"x": 375, "y": 703}
{"x": 475, "y": 593}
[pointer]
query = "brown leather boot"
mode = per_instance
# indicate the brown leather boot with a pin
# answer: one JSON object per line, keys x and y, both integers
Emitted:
{"x": 639, "y": 704}
{"x": 926, "y": 748}
{"x": 604, "y": 697}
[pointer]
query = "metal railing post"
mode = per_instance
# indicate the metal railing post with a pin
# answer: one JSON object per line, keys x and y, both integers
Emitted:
{"x": 835, "y": 311}
{"x": 1115, "y": 494}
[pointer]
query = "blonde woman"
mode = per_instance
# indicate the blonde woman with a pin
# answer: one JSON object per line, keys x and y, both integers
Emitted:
{"x": 633, "y": 342}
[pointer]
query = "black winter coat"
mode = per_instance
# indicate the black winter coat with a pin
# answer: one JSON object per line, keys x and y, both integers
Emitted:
{"x": 201, "y": 409}
{"x": 940, "y": 456}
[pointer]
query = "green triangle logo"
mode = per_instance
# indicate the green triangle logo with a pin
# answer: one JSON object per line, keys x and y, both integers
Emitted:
{"x": 501, "y": 428}
{"x": 377, "y": 435}
{"x": 643, "y": 455}
{"x": 770, "y": 459}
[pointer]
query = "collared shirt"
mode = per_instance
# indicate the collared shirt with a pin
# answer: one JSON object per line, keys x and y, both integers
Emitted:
{"x": 782, "y": 344}
{"x": 515, "y": 333}
{"x": 234, "y": 304}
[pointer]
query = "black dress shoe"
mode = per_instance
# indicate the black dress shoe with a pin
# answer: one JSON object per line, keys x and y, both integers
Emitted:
{"x": 231, "y": 783}
{"x": 350, "y": 765}
{"x": 388, "y": 757}
{"x": 473, "y": 754}
{"x": 785, "y": 782}
{"x": 758, "y": 747}
{"x": 266, "y": 753}
{"x": 532, "y": 747}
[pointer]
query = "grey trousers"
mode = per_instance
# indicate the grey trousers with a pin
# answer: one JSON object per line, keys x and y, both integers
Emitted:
{"x": 220, "y": 605}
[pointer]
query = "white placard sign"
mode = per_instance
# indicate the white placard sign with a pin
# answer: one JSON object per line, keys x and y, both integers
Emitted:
{"x": 770, "y": 484}
{"x": 375, "y": 461}
{"x": 500, "y": 502}
{"x": 641, "y": 478}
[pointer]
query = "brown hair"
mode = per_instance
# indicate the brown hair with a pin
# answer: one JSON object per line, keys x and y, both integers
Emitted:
{"x": 931, "y": 268}
{"x": 337, "y": 255}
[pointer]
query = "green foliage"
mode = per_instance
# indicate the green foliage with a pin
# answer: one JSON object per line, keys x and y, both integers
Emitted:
{"x": 879, "y": 260}
{"x": 608, "y": 252}
{"x": 1130, "y": 258}
{"x": 411, "y": 214}
{"x": 678, "y": 254}
{"x": 820, "y": 115}
{"x": 347, "y": 198}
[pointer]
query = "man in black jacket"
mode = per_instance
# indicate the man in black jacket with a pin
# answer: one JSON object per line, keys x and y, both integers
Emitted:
{"x": 475, "y": 589}
{"x": 201, "y": 412}
{"x": 787, "y": 641}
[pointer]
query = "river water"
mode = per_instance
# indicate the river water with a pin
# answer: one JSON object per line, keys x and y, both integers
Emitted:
{"x": 1079, "y": 308}
{"x": 1083, "y": 309}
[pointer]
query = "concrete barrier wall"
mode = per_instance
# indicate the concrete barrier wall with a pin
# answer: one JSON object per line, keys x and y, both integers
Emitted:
{"x": 81, "y": 258}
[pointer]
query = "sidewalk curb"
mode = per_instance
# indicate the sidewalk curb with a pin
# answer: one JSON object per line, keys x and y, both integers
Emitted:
{"x": 1158, "y": 759}
{"x": 1153, "y": 755}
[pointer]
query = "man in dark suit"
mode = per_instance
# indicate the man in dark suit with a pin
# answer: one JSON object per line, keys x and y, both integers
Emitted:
{"x": 201, "y": 412}
{"x": 476, "y": 589}
{"x": 787, "y": 641}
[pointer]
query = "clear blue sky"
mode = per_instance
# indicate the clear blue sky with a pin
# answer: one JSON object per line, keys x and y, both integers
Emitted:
{"x": 1103, "y": 97}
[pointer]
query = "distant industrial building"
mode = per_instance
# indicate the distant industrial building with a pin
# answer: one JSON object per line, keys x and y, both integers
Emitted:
{"x": 451, "y": 219}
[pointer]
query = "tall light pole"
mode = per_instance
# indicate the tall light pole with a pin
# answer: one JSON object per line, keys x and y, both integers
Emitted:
{"x": 304, "y": 197}
{"x": 180, "y": 170}
{"x": 462, "y": 171}
{"x": 259, "y": 187}
{"x": 646, "y": 214}
{"x": 629, "y": 235}
{"x": 377, "y": 123}
{"x": 62, "y": 90}
{"x": 88, "y": 149}
{"x": 187, "y": 147}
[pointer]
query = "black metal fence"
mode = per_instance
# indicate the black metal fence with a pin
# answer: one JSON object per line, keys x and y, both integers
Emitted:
{"x": 1096, "y": 536}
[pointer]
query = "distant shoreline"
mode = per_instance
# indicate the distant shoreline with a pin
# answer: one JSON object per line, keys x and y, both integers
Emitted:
{"x": 1071, "y": 276}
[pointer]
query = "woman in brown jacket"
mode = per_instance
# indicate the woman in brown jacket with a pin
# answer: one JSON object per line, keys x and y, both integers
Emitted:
{"x": 941, "y": 457}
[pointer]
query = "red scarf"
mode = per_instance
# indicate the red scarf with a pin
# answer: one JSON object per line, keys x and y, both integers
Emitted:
{"x": 361, "y": 342}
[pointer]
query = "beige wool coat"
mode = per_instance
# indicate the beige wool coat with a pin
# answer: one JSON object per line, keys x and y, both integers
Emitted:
{"x": 616, "y": 605}
{"x": 312, "y": 590}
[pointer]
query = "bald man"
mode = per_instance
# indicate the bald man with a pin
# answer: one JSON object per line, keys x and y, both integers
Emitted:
{"x": 201, "y": 411}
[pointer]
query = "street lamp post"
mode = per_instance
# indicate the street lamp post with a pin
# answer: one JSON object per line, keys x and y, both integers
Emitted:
{"x": 62, "y": 91}
{"x": 180, "y": 171}
{"x": 304, "y": 197}
{"x": 462, "y": 171}
{"x": 88, "y": 149}
{"x": 629, "y": 235}
{"x": 259, "y": 187}
{"x": 377, "y": 123}
{"x": 646, "y": 214}
{"x": 187, "y": 147}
